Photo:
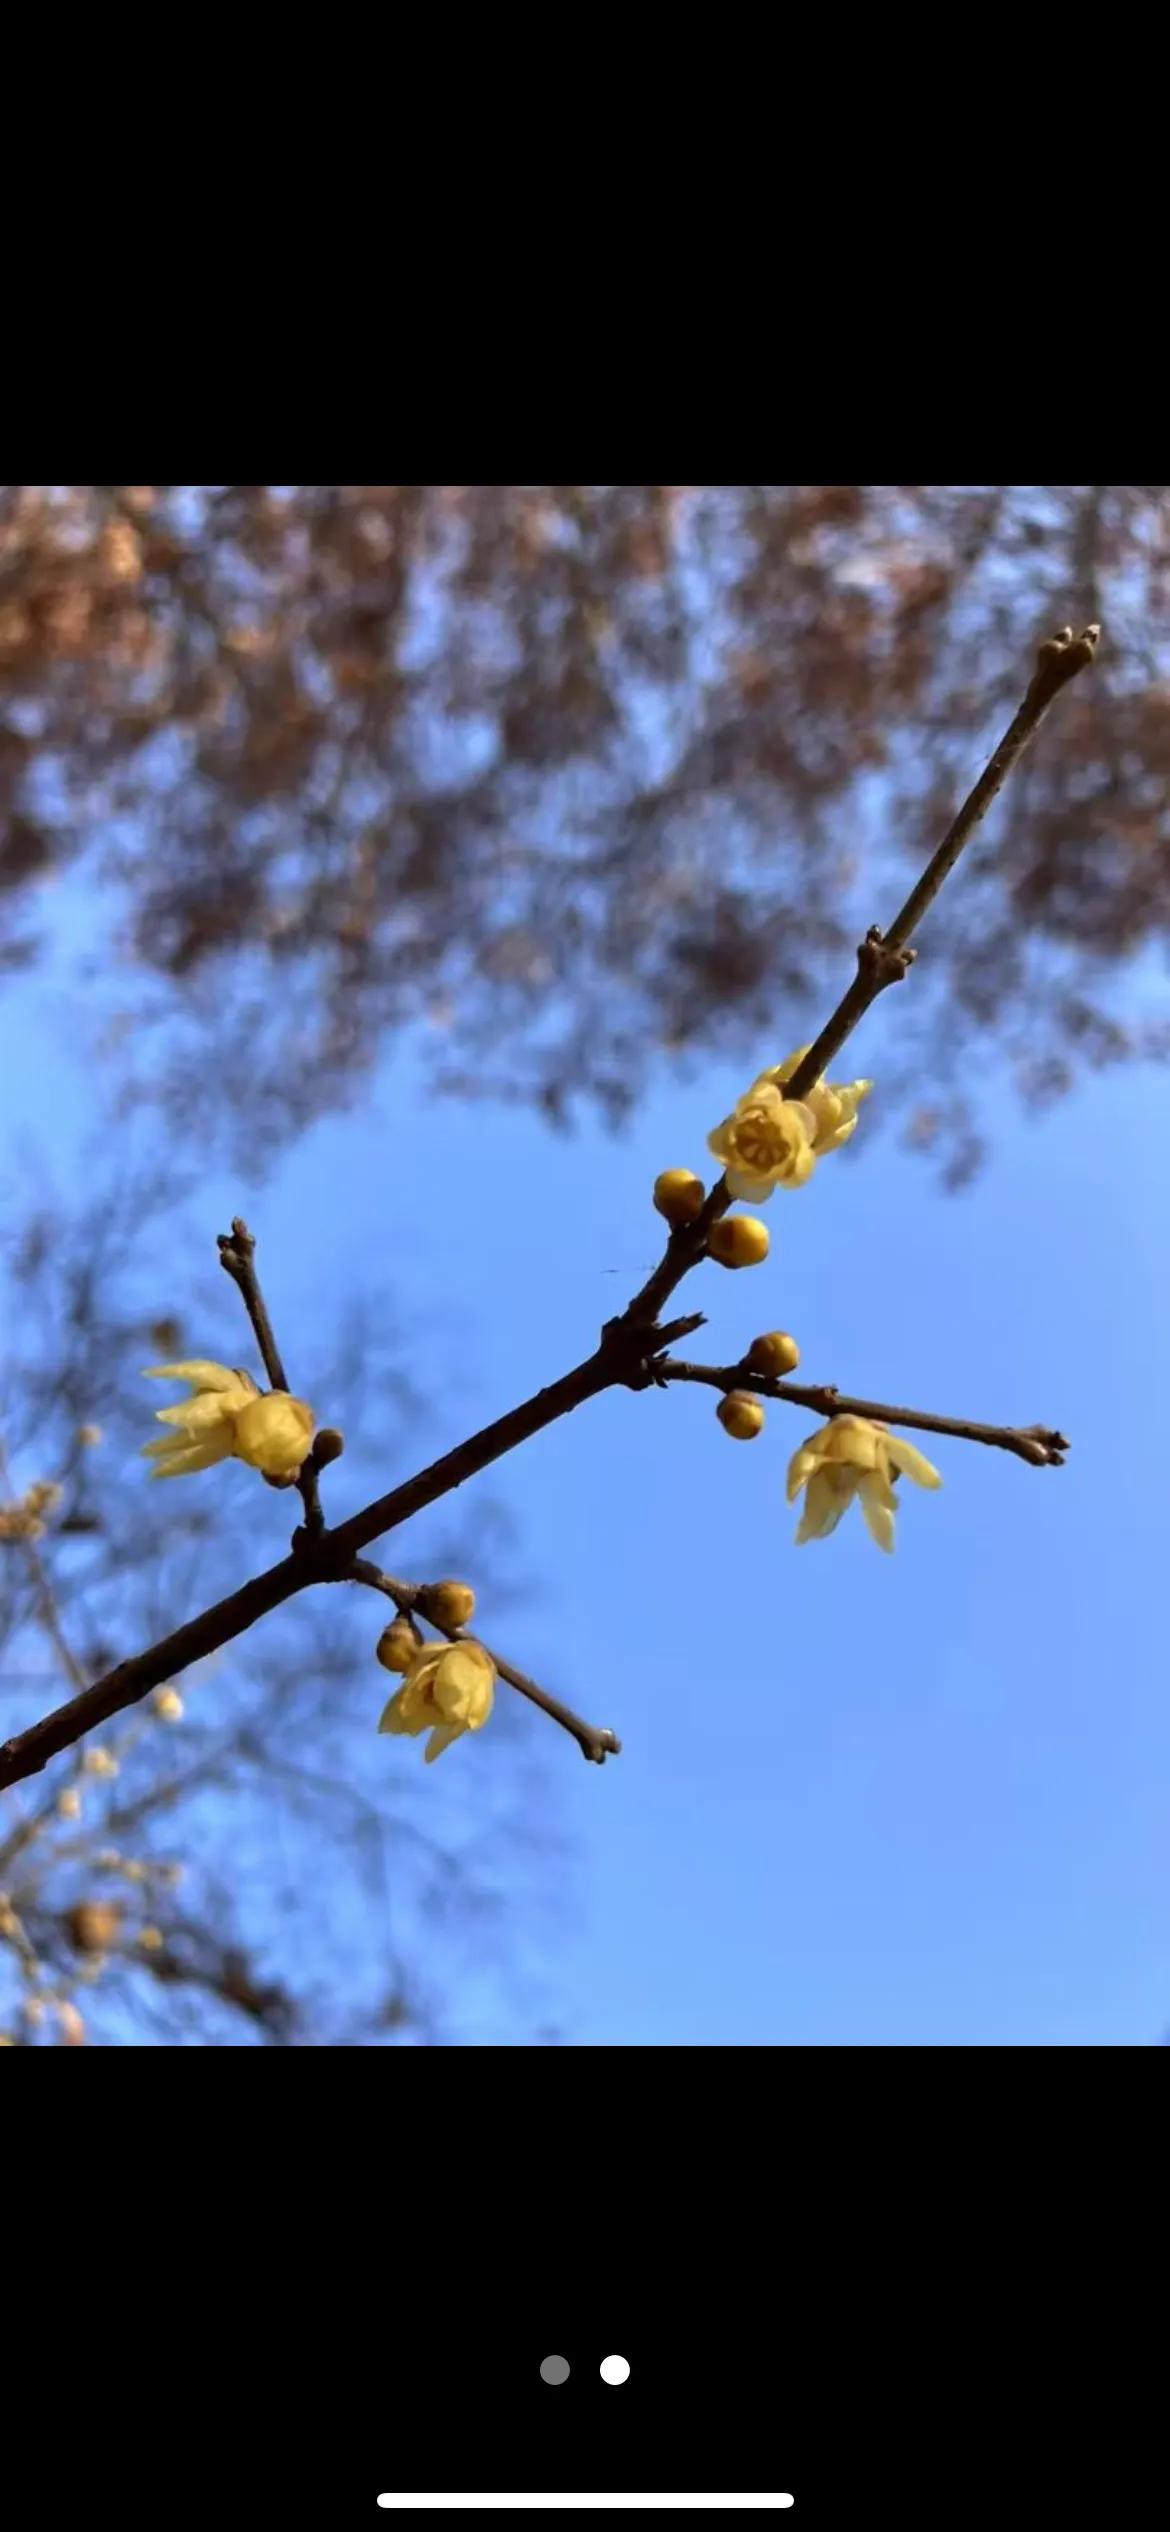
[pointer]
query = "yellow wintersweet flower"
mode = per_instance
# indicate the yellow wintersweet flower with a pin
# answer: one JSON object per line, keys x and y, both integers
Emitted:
{"x": 766, "y": 1142}
{"x": 273, "y": 1433}
{"x": 834, "y": 1104}
{"x": 450, "y": 1688}
{"x": 848, "y": 1457}
{"x": 205, "y": 1423}
{"x": 228, "y": 1417}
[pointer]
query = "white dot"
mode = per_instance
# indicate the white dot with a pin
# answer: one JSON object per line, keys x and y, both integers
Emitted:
{"x": 614, "y": 2369}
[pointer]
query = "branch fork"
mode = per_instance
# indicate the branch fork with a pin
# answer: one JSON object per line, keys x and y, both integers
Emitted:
{"x": 632, "y": 1352}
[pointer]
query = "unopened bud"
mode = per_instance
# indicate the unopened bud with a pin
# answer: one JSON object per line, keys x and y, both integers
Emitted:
{"x": 99, "y": 1763}
{"x": 397, "y": 1645}
{"x": 70, "y": 2024}
{"x": 741, "y": 1415}
{"x": 150, "y": 1940}
{"x": 738, "y": 1240}
{"x": 168, "y": 1705}
{"x": 776, "y": 1354}
{"x": 94, "y": 1924}
{"x": 328, "y": 1446}
{"x": 679, "y": 1196}
{"x": 69, "y": 1804}
{"x": 449, "y": 1604}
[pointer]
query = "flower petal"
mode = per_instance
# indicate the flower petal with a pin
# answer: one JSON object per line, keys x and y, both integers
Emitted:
{"x": 830, "y": 1493}
{"x": 184, "y": 1459}
{"x": 273, "y": 1433}
{"x": 877, "y": 1504}
{"x": 911, "y": 1462}
{"x": 441, "y": 1739}
{"x": 201, "y": 1375}
{"x": 202, "y": 1413}
{"x": 801, "y": 1467}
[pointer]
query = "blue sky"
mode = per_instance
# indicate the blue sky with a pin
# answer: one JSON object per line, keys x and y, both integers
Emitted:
{"x": 861, "y": 1799}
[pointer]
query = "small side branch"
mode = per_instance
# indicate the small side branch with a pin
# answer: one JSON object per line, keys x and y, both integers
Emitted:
{"x": 237, "y": 1256}
{"x": 1036, "y": 1443}
{"x": 593, "y": 1740}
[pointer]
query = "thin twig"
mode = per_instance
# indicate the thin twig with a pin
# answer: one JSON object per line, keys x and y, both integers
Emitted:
{"x": 593, "y": 1740}
{"x": 883, "y": 957}
{"x": 1035, "y": 1443}
{"x": 237, "y": 1256}
{"x": 46, "y": 1603}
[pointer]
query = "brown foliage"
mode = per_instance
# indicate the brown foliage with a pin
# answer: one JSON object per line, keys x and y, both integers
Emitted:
{"x": 575, "y": 773}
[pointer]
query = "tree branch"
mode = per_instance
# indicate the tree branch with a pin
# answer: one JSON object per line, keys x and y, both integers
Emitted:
{"x": 631, "y": 1347}
{"x": 27, "y": 1752}
{"x": 1032, "y": 1442}
{"x": 594, "y": 1741}
{"x": 237, "y": 1256}
{"x": 883, "y": 956}
{"x": 326, "y": 1556}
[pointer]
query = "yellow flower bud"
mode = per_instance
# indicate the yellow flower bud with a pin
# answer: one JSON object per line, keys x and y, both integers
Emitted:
{"x": 273, "y": 1433}
{"x": 99, "y": 1763}
{"x": 69, "y": 1804}
{"x": 150, "y": 1940}
{"x": 776, "y": 1354}
{"x": 741, "y": 1415}
{"x": 94, "y": 1924}
{"x": 679, "y": 1196}
{"x": 450, "y": 1604}
{"x": 397, "y": 1645}
{"x": 168, "y": 1705}
{"x": 739, "y": 1240}
{"x": 70, "y": 2024}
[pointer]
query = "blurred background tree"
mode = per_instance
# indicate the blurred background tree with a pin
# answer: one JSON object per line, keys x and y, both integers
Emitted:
{"x": 206, "y": 1871}
{"x": 565, "y": 784}
{"x": 584, "y": 775}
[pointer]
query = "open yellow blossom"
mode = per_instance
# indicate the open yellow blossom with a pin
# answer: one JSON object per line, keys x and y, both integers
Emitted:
{"x": 834, "y": 1104}
{"x": 205, "y": 1426}
{"x": 449, "y": 1689}
{"x": 228, "y": 1417}
{"x": 766, "y": 1142}
{"x": 848, "y": 1457}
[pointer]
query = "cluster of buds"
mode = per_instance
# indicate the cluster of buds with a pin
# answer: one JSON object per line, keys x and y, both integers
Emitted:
{"x": 447, "y": 1689}
{"x": 25, "y": 1519}
{"x": 741, "y": 1413}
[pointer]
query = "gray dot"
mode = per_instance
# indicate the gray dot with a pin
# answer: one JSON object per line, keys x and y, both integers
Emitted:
{"x": 554, "y": 2369}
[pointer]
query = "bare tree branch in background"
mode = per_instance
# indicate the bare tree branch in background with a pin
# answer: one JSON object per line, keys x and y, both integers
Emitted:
{"x": 205, "y": 1871}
